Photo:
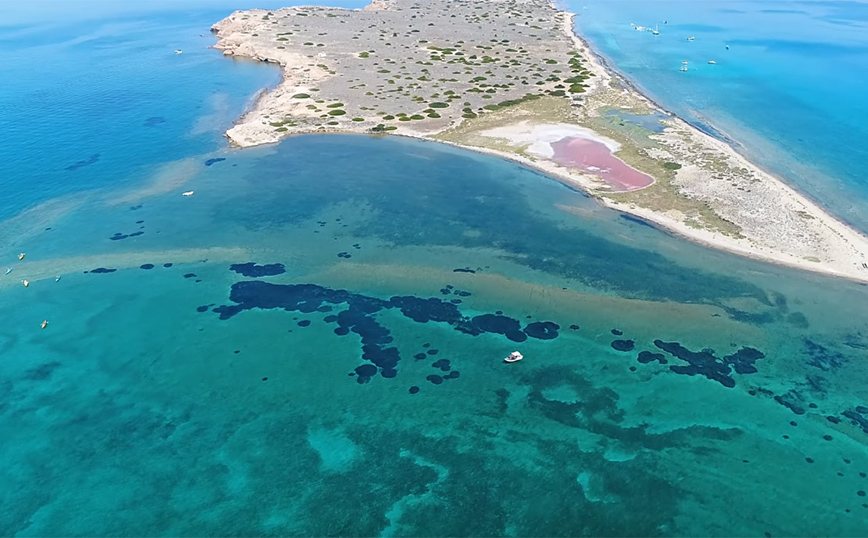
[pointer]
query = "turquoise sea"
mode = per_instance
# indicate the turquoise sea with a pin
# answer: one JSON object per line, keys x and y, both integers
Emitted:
{"x": 311, "y": 344}
{"x": 788, "y": 93}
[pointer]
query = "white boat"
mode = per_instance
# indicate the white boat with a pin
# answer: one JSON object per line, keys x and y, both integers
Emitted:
{"x": 640, "y": 28}
{"x": 691, "y": 38}
{"x": 712, "y": 62}
{"x": 179, "y": 51}
{"x": 188, "y": 193}
{"x": 515, "y": 356}
{"x": 8, "y": 270}
{"x": 655, "y": 31}
{"x": 683, "y": 68}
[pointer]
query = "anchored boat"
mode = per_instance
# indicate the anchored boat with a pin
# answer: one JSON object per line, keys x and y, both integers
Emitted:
{"x": 515, "y": 356}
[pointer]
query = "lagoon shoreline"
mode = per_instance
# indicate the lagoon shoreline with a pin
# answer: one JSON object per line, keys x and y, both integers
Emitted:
{"x": 723, "y": 201}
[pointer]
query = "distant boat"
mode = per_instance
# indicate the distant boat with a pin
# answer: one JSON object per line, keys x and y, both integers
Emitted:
{"x": 640, "y": 28}
{"x": 45, "y": 324}
{"x": 712, "y": 62}
{"x": 21, "y": 256}
{"x": 515, "y": 356}
{"x": 655, "y": 31}
{"x": 179, "y": 51}
{"x": 25, "y": 282}
{"x": 684, "y": 62}
{"x": 683, "y": 68}
{"x": 8, "y": 270}
{"x": 691, "y": 38}
{"x": 188, "y": 193}
{"x": 727, "y": 47}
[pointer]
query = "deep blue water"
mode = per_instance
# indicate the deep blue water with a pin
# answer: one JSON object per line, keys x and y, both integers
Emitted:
{"x": 311, "y": 344}
{"x": 790, "y": 91}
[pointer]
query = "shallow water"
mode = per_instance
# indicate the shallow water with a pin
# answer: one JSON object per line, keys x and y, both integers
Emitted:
{"x": 170, "y": 396}
{"x": 139, "y": 402}
{"x": 651, "y": 122}
{"x": 788, "y": 92}
{"x": 595, "y": 158}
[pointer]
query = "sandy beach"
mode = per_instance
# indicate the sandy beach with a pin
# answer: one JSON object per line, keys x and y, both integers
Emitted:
{"x": 512, "y": 79}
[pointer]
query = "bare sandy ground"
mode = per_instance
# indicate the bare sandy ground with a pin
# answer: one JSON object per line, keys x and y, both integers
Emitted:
{"x": 399, "y": 57}
{"x": 538, "y": 139}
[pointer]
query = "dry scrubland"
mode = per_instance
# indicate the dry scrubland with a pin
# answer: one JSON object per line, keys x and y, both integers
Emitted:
{"x": 407, "y": 66}
{"x": 454, "y": 70}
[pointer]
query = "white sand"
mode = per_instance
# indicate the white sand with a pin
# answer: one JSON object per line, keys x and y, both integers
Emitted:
{"x": 538, "y": 138}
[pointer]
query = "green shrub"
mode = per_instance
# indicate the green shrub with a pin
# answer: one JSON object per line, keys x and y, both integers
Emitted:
{"x": 337, "y": 112}
{"x": 438, "y": 104}
{"x": 335, "y": 105}
{"x": 671, "y": 166}
{"x": 301, "y": 96}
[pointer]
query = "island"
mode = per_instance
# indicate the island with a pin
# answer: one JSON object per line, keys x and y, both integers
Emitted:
{"x": 511, "y": 78}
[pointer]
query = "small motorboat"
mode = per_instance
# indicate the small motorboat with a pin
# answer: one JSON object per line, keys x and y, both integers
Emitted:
{"x": 712, "y": 62}
{"x": 45, "y": 324}
{"x": 691, "y": 38}
{"x": 8, "y": 270}
{"x": 21, "y": 256}
{"x": 188, "y": 193}
{"x": 515, "y": 356}
{"x": 179, "y": 51}
{"x": 57, "y": 278}
{"x": 25, "y": 282}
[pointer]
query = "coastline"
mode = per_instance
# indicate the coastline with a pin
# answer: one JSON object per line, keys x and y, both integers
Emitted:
{"x": 703, "y": 125}
{"x": 803, "y": 235}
